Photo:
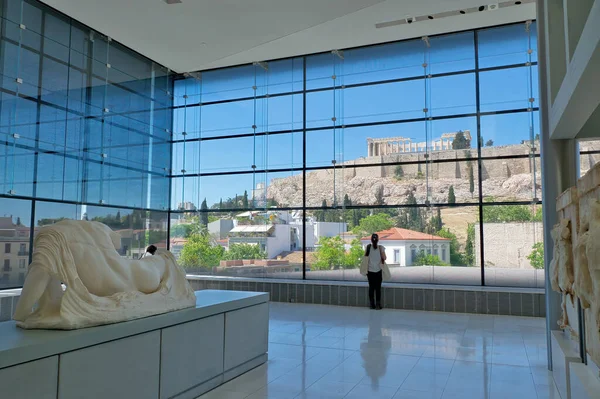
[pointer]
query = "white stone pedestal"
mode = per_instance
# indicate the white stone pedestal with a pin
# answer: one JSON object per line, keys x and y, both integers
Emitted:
{"x": 179, "y": 355}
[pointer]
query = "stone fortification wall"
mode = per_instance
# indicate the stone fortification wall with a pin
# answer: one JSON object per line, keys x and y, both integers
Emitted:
{"x": 507, "y": 245}
{"x": 503, "y": 179}
{"x": 449, "y": 170}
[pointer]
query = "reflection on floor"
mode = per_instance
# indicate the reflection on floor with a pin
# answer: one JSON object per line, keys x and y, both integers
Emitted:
{"x": 318, "y": 351}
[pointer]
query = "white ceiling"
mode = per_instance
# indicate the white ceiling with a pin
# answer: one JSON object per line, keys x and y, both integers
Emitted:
{"x": 243, "y": 31}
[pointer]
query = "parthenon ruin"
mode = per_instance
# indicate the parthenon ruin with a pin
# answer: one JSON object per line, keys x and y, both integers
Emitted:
{"x": 397, "y": 145}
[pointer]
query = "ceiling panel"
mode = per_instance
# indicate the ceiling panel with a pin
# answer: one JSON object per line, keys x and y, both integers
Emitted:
{"x": 201, "y": 34}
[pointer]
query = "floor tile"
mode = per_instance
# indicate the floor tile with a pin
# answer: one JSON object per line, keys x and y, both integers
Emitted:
{"x": 220, "y": 393}
{"x": 407, "y": 394}
{"x": 328, "y": 352}
{"x": 368, "y": 391}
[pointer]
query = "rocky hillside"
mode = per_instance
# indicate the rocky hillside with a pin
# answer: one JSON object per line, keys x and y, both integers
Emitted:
{"x": 362, "y": 190}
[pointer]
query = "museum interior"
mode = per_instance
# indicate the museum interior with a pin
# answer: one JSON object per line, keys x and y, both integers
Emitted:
{"x": 388, "y": 199}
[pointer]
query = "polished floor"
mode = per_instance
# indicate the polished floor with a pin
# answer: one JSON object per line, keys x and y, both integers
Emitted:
{"x": 318, "y": 351}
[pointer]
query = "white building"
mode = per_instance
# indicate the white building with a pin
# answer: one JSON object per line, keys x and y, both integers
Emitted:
{"x": 274, "y": 239}
{"x": 329, "y": 229}
{"x": 402, "y": 246}
{"x": 282, "y": 233}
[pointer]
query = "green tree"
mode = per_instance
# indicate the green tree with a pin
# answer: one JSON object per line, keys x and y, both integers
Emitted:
{"x": 198, "y": 252}
{"x": 244, "y": 251}
{"x": 536, "y": 257}
{"x": 461, "y": 142}
{"x": 353, "y": 257}
{"x": 379, "y": 196}
{"x": 373, "y": 224}
{"x": 221, "y": 203}
{"x": 451, "y": 195}
{"x": 347, "y": 201}
{"x": 245, "y": 200}
{"x": 271, "y": 203}
{"x": 470, "y": 246}
{"x": 329, "y": 254}
{"x": 412, "y": 218}
{"x": 471, "y": 179}
{"x": 320, "y": 214}
{"x": 203, "y": 213}
{"x": 182, "y": 230}
{"x": 435, "y": 224}
{"x": 428, "y": 260}
{"x": 398, "y": 172}
{"x": 489, "y": 143}
{"x": 511, "y": 214}
{"x": 537, "y": 137}
{"x": 47, "y": 221}
{"x": 456, "y": 257}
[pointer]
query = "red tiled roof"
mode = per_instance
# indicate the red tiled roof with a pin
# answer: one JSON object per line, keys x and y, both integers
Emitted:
{"x": 398, "y": 234}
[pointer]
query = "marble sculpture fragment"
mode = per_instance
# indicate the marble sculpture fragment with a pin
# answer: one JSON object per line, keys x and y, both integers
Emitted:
{"x": 102, "y": 287}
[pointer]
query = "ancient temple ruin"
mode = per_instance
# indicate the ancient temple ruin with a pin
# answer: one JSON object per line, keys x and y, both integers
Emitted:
{"x": 398, "y": 145}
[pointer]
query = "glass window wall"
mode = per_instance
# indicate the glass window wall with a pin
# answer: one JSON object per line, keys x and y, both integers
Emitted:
{"x": 287, "y": 167}
{"x": 85, "y": 132}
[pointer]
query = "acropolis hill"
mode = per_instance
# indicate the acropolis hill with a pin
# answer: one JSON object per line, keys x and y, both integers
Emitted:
{"x": 503, "y": 179}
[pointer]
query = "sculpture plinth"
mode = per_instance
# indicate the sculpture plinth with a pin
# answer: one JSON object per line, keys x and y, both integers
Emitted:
{"x": 575, "y": 267}
{"x": 101, "y": 286}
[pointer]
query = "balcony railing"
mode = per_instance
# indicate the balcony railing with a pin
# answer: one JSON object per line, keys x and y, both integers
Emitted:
{"x": 23, "y": 253}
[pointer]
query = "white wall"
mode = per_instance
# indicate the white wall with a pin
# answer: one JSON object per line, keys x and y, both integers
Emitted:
{"x": 329, "y": 229}
{"x": 428, "y": 245}
{"x": 280, "y": 241}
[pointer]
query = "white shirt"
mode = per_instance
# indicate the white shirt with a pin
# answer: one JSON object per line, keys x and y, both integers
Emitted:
{"x": 375, "y": 258}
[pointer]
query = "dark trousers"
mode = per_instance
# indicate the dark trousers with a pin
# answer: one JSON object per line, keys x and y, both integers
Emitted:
{"x": 375, "y": 280}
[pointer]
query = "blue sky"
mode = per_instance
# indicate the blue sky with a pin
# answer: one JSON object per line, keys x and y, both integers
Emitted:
{"x": 500, "y": 90}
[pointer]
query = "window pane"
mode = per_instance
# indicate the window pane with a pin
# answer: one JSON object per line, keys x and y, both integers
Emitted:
{"x": 506, "y": 45}
{"x": 14, "y": 234}
{"x": 511, "y": 179}
{"x": 285, "y": 76}
{"x": 384, "y": 62}
{"x": 589, "y": 155}
{"x": 376, "y": 103}
{"x": 230, "y": 83}
{"x": 451, "y": 53}
{"x": 389, "y": 143}
{"x": 240, "y": 244}
{"x": 452, "y": 95}
{"x": 508, "y": 89}
{"x": 513, "y": 133}
{"x": 410, "y": 236}
{"x": 518, "y": 262}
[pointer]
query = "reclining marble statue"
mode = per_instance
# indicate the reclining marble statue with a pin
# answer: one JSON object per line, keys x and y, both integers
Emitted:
{"x": 102, "y": 287}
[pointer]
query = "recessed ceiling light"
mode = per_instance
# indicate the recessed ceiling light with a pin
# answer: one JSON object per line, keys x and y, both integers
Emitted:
{"x": 481, "y": 8}
{"x": 173, "y": 1}
{"x": 517, "y": 2}
{"x": 463, "y": 12}
{"x": 430, "y": 17}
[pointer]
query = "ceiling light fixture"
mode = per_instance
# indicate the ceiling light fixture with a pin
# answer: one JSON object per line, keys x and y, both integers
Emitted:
{"x": 173, "y": 1}
{"x": 493, "y": 6}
